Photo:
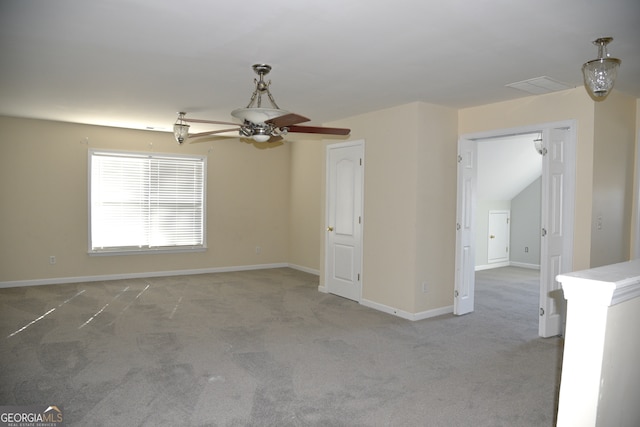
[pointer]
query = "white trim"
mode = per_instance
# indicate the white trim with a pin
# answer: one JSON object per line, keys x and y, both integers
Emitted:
{"x": 496, "y": 133}
{"x": 568, "y": 216}
{"x": 636, "y": 202}
{"x": 321, "y": 288}
{"x": 507, "y": 264}
{"x": 305, "y": 269}
{"x": 492, "y": 265}
{"x": 78, "y": 279}
{"x": 150, "y": 251}
{"x": 356, "y": 143}
{"x": 132, "y": 250}
{"x": 405, "y": 314}
{"x": 525, "y": 265}
{"x": 607, "y": 285}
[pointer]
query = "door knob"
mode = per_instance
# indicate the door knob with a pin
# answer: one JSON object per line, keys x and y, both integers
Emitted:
{"x": 329, "y": 228}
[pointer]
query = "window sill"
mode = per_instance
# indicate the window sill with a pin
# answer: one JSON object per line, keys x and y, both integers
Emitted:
{"x": 146, "y": 251}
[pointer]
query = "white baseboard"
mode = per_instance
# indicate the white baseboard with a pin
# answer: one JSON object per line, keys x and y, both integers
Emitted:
{"x": 305, "y": 269}
{"x": 494, "y": 265}
{"x": 507, "y": 264}
{"x": 321, "y": 288}
{"x": 405, "y": 314}
{"x": 106, "y": 277}
{"x": 525, "y": 265}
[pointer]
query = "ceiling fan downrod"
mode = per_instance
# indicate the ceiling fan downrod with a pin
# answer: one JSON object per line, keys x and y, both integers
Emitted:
{"x": 262, "y": 87}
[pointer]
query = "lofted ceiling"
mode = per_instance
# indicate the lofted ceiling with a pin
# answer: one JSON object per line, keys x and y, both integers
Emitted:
{"x": 135, "y": 63}
{"x": 507, "y": 165}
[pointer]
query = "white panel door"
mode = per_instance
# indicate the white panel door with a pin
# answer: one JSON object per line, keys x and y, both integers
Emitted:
{"x": 498, "y": 238}
{"x": 465, "y": 226}
{"x": 557, "y": 234}
{"x": 344, "y": 219}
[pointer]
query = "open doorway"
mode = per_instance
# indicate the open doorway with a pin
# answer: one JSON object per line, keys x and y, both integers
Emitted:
{"x": 508, "y": 194}
{"x": 556, "y": 217}
{"x": 507, "y": 262}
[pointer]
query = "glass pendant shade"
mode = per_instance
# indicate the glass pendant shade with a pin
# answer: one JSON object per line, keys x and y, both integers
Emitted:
{"x": 257, "y": 115}
{"x": 600, "y": 74}
{"x": 537, "y": 145}
{"x": 180, "y": 129}
{"x": 261, "y": 138}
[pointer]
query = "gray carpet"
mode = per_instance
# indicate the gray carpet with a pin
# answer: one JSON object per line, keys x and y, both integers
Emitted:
{"x": 265, "y": 348}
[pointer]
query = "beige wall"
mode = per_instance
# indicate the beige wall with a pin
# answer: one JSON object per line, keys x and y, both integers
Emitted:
{"x": 554, "y": 107}
{"x": 409, "y": 205}
{"x": 389, "y": 203}
{"x": 43, "y": 191}
{"x": 613, "y": 171}
{"x": 274, "y": 197}
{"x": 307, "y": 206}
{"x": 436, "y": 206}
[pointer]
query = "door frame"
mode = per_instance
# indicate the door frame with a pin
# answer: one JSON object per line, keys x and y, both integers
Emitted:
{"x": 636, "y": 202}
{"x": 568, "y": 199}
{"x": 358, "y": 143}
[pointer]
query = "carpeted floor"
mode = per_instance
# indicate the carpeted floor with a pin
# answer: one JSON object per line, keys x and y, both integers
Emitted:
{"x": 265, "y": 348}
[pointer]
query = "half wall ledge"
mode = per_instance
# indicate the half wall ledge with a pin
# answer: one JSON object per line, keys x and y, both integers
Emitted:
{"x": 600, "y": 381}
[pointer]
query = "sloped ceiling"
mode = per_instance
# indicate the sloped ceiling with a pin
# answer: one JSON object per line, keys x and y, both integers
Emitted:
{"x": 135, "y": 63}
{"x": 506, "y": 166}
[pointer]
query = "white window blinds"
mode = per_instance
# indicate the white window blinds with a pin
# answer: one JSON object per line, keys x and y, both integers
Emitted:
{"x": 146, "y": 201}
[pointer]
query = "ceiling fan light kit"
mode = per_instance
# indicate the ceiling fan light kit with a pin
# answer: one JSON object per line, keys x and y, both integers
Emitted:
{"x": 262, "y": 124}
{"x": 600, "y": 73}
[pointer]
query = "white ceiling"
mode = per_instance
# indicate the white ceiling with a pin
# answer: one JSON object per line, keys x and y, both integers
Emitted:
{"x": 506, "y": 166}
{"x": 135, "y": 63}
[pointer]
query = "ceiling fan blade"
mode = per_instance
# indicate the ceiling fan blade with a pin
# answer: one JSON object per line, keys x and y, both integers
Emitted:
{"x": 287, "y": 120}
{"x": 319, "y": 129}
{"x": 213, "y": 122}
{"x": 212, "y": 132}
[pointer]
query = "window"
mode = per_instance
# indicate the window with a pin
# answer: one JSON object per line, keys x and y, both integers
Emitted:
{"x": 141, "y": 202}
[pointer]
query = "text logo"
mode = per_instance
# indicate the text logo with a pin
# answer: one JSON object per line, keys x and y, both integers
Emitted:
{"x": 31, "y": 416}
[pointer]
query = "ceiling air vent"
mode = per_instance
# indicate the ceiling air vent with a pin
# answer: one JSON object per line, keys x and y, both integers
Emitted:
{"x": 540, "y": 85}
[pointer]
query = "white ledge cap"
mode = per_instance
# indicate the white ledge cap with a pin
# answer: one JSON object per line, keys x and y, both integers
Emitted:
{"x": 607, "y": 285}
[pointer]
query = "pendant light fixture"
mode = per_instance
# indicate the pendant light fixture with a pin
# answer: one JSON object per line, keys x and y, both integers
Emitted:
{"x": 600, "y": 74}
{"x": 537, "y": 144}
{"x": 180, "y": 128}
{"x": 257, "y": 114}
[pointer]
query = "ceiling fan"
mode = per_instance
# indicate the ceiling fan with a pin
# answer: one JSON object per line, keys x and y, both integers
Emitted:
{"x": 260, "y": 123}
